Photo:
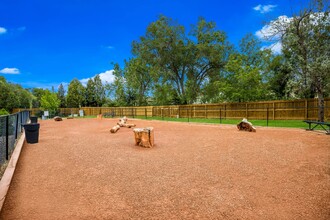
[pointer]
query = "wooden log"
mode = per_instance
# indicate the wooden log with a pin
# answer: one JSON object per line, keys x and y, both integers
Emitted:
{"x": 114, "y": 129}
{"x": 245, "y": 125}
{"x": 144, "y": 137}
{"x": 129, "y": 125}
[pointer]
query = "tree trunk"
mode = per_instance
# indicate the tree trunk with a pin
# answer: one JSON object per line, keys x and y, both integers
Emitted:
{"x": 320, "y": 105}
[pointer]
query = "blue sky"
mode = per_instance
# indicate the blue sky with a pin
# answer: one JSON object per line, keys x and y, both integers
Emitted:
{"x": 44, "y": 43}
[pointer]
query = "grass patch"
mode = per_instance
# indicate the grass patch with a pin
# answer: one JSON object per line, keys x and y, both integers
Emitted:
{"x": 271, "y": 123}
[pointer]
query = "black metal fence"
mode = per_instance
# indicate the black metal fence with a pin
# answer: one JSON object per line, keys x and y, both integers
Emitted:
{"x": 10, "y": 130}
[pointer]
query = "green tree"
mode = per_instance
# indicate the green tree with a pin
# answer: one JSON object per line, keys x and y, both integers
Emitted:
{"x": 278, "y": 77}
{"x": 183, "y": 61}
{"x": 61, "y": 95}
{"x": 99, "y": 91}
{"x": 139, "y": 79}
{"x": 244, "y": 78}
{"x": 119, "y": 87}
{"x": 50, "y": 102}
{"x": 76, "y": 94}
{"x": 90, "y": 93}
{"x": 306, "y": 47}
{"x": 37, "y": 93}
{"x": 14, "y": 96}
{"x": 95, "y": 92}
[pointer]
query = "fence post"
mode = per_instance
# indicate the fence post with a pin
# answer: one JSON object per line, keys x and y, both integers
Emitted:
{"x": 225, "y": 112}
{"x": 306, "y": 109}
{"x": 220, "y": 114}
{"x": 16, "y": 129}
{"x": 267, "y": 116}
{"x": 161, "y": 112}
{"x": 188, "y": 114}
{"x": 246, "y": 110}
{"x": 7, "y": 134}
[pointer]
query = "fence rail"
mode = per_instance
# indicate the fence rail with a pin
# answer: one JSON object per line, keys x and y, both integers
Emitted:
{"x": 303, "y": 109}
{"x": 10, "y": 130}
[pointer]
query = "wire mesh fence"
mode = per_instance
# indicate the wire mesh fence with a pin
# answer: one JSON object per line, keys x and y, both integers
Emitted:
{"x": 10, "y": 131}
{"x": 258, "y": 116}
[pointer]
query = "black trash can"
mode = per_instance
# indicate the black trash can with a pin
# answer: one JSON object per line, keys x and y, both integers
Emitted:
{"x": 34, "y": 119}
{"x": 32, "y": 132}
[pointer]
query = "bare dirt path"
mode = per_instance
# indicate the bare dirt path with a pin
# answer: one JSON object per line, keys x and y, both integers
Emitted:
{"x": 79, "y": 170}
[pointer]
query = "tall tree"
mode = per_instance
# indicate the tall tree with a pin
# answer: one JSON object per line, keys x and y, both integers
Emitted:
{"x": 14, "y": 96}
{"x": 50, "y": 102}
{"x": 119, "y": 86}
{"x": 245, "y": 73}
{"x": 99, "y": 91}
{"x": 90, "y": 93}
{"x": 184, "y": 61}
{"x": 76, "y": 94}
{"x": 306, "y": 46}
{"x": 139, "y": 79}
{"x": 61, "y": 95}
{"x": 37, "y": 93}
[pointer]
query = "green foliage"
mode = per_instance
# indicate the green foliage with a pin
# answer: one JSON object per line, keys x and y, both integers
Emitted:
{"x": 99, "y": 92}
{"x": 306, "y": 47}
{"x": 61, "y": 96}
{"x": 139, "y": 79}
{"x": 119, "y": 86}
{"x": 3, "y": 112}
{"x": 76, "y": 94}
{"x": 50, "y": 101}
{"x": 37, "y": 93}
{"x": 13, "y": 96}
{"x": 182, "y": 61}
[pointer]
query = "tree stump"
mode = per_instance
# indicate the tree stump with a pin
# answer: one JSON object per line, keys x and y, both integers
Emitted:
{"x": 57, "y": 118}
{"x": 245, "y": 125}
{"x": 114, "y": 129}
{"x": 99, "y": 116}
{"x": 144, "y": 137}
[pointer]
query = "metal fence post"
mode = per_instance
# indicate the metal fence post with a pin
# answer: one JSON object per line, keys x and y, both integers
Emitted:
{"x": 145, "y": 112}
{"x": 16, "y": 129}
{"x": 7, "y": 134}
{"x": 188, "y": 114}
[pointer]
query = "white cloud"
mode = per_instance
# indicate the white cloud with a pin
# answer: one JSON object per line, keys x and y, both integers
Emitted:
{"x": 274, "y": 29}
{"x": 106, "y": 77}
{"x": 264, "y": 8}
{"x": 3, "y": 30}
{"x": 10, "y": 71}
{"x": 276, "y": 47}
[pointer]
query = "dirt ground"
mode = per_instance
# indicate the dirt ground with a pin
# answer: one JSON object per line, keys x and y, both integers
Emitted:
{"x": 79, "y": 170}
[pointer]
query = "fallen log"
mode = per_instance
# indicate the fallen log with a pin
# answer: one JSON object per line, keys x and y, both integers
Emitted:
{"x": 245, "y": 125}
{"x": 114, "y": 129}
{"x": 123, "y": 123}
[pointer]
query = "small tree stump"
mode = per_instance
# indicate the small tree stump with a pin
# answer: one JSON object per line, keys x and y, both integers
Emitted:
{"x": 99, "y": 116}
{"x": 245, "y": 125}
{"x": 57, "y": 118}
{"x": 114, "y": 129}
{"x": 144, "y": 137}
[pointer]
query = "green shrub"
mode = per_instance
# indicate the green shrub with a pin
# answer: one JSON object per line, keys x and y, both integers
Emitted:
{"x": 3, "y": 112}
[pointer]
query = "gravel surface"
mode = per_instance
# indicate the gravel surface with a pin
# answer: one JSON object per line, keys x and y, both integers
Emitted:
{"x": 79, "y": 170}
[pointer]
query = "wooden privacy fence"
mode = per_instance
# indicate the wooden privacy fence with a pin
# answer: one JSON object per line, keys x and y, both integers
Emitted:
{"x": 273, "y": 110}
